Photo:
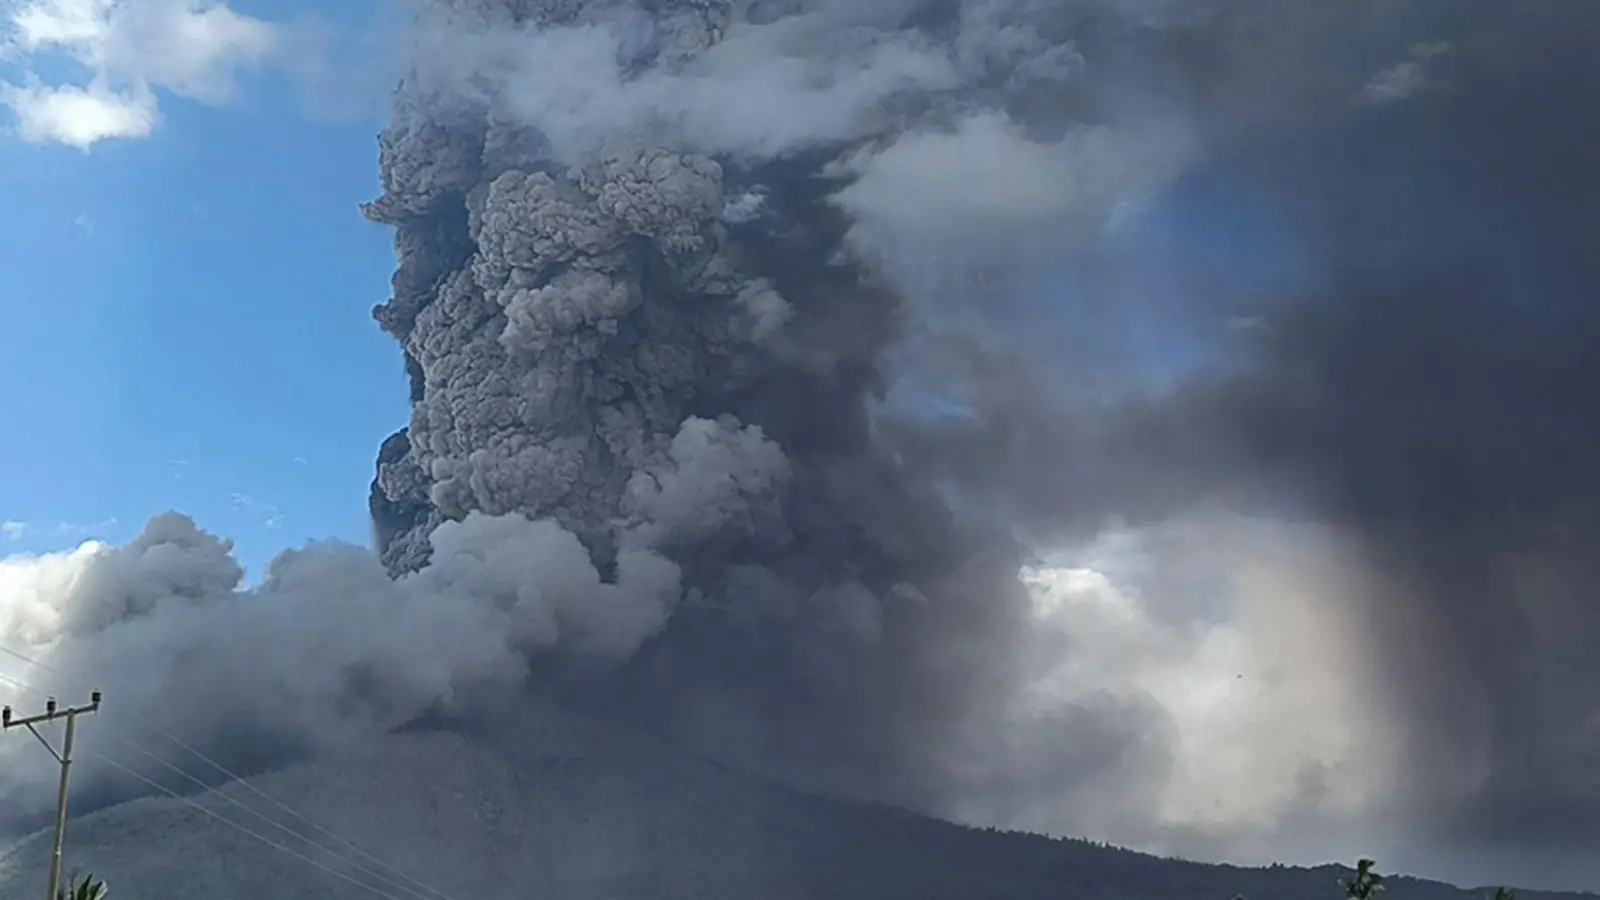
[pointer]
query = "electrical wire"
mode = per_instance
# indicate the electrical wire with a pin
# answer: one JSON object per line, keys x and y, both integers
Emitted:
{"x": 426, "y": 894}
{"x": 395, "y": 878}
{"x": 232, "y": 824}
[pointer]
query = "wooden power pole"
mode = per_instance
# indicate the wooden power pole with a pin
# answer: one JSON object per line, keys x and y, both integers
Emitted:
{"x": 50, "y": 714}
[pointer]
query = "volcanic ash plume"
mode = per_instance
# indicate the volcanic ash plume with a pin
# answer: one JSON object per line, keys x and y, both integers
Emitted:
{"x": 632, "y": 303}
{"x": 328, "y": 650}
{"x": 645, "y": 355}
{"x": 1154, "y": 420}
{"x": 821, "y": 301}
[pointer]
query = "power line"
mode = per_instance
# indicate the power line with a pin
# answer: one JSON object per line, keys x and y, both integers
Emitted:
{"x": 296, "y": 814}
{"x": 395, "y": 877}
{"x": 196, "y": 780}
{"x": 232, "y": 824}
{"x": 21, "y": 686}
{"x": 63, "y": 757}
{"x": 431, "y": 894}
{"x": 393, "y": 880}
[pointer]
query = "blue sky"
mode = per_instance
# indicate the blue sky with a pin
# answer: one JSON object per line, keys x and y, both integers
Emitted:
{"x": 184, "y": 315}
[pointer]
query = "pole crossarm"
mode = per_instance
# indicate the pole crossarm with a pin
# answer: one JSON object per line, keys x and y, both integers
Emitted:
{"x": 50, "y": 714}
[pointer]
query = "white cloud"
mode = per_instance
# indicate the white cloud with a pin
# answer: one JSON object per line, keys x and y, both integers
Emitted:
{"x": 929, "y": 188}
{"x": 130, "y": 49}
{"x": 40, "y": 24}
{"x": 974, "y": 203}
{"x": 1238, "y": 637}
{"x": 13, "y": 530}
{"x": 79, "y": 116}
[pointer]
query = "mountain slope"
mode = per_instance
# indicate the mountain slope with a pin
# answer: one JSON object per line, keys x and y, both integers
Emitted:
{"x": 581, "y": 815}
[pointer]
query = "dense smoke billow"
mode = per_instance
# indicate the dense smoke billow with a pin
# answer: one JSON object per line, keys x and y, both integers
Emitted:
{"x": 1165, "y": 421}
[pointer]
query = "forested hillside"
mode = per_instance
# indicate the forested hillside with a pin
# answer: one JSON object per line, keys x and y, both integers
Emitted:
{"x": 593, "y": 817}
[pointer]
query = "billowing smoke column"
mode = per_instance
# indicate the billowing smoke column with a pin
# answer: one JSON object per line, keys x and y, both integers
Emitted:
{"x": 630, "y": 311}
{"x": 644, "y": 315}
{"x": 645, "y": 347}
{"x": 1406, "y": 348}
{"x": 660, "y": 264}
{"x": 1166, "y": 421}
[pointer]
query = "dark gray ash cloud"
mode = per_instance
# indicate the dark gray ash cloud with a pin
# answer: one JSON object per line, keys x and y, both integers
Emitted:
{"x": 1168, "y": 421}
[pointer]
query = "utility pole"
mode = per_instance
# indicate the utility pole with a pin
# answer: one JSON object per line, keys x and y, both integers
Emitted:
{"x": 50, "y": 714}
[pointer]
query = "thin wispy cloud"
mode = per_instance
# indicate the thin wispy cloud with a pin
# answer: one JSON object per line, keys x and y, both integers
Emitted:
{"x": 1407, "y": 78}
{"x": 269, "y": 515}
{"x": 84, "y": 530}
{"x": 16, "y": 531}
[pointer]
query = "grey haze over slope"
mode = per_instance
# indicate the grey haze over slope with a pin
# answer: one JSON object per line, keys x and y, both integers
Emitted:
{"x": 570, "y": 811}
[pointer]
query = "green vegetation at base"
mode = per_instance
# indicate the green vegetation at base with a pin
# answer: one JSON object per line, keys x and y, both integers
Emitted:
{"x": 1367, "y": 884}
{"x": 86, "y": 887}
